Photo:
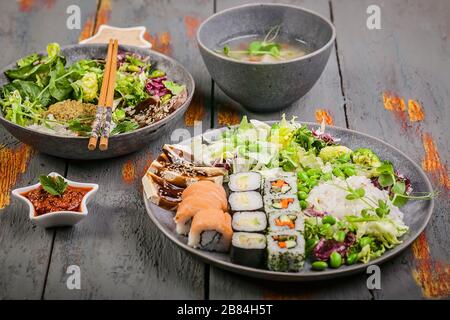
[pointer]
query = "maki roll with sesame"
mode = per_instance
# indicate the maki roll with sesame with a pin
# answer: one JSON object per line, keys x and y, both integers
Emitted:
{"x": 285, "y": 251}
{"x": 245, "y": 181}
{"x": 248, "y": 249}
{"x": 249, "y": 221}
{"x": 281, "y": 204}
{"x": 286, "y": 221}
{"x": 245, "y": 201}
{"x": 283, "y": 184}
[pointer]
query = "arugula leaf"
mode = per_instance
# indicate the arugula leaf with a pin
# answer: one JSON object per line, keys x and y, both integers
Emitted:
{"x": 32, "y": 71}
{"x": 125, "y": 126}
{"x": 174, "y": 88}
{"x": 27, "y": 89}
{"x": 79, "y": 127}
{"x": 25, "y": 73}
{"x": 28, "y": 60}
{"x": 59, "y": 87}
{"x": 55, "y": 186}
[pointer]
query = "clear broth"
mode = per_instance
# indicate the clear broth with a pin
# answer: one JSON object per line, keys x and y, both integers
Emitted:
{"x": 290, "y": 48}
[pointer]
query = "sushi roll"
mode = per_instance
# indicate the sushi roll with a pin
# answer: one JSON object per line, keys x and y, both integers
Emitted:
{"x": 248, "y": 249}
{"x": 245, "y": 201}
{"x": 286, "y": 221}
{"x": 211, "y": 230}
{"x": 285, "y": 251}
{"x": 284, "y": 184}
{"x": 245, "y": 181}
{"x": 206, "y": 189}
{"x": 189, "y": 207}
{"x": 282, "y": 204}
{"x": 249, "y": 221}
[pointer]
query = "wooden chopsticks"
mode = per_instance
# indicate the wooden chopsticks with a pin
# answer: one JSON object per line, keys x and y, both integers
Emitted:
{"x": 102, "y": 123}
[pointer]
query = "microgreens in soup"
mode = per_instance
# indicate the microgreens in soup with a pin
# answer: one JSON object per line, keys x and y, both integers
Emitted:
{"x": 268, "y": 49}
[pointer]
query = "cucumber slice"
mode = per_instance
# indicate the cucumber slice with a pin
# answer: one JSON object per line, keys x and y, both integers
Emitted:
{"x": 290, "y": 244}
{"x": 276, "y": 205}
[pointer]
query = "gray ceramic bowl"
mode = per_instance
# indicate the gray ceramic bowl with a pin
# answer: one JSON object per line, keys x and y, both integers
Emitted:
{"x": 416, "y": 214}
{"x": 76, "y": 147}
{"x": 270, "y": 86}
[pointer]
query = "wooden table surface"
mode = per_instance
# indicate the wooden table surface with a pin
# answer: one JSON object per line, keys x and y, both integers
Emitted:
{"x": 392, "y": 83}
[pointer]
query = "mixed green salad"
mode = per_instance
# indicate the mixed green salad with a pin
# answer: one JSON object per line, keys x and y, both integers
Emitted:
{"x": 351, "y": 199}
{"x": 47, "y": 94}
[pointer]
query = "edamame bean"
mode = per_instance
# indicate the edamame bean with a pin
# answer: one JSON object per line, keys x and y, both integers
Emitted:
{"x": 319, "y": 265}
{"x": 352, "y": 258}
{"x": 313, "y": 172}
{"x": 335, "y": 260}
{"x": 349, "y": 172}
{"x": 302, "y": 195}
{"x": 303, "y": 204}
{"x": 339, "y": 236}
{"x": 302, "y": 176}
{"x": 338, "y": 173}
{"x": 313, "y": 183}
{"x": 365, "y": 241}
{"x": 303, "y": 188}
{"x": 329, "y": 220}
{"x": 324, "y": 228}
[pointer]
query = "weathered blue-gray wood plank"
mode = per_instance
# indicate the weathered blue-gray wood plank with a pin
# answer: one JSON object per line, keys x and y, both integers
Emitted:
{"x": 25, "y": 249}
{"x": 326, "y": 94}
{"x": 120, "y": 252}
{"x": 409, "y": 57}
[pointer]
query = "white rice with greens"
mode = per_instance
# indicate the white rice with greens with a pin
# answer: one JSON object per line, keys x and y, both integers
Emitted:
{"x": 330, "y": 197}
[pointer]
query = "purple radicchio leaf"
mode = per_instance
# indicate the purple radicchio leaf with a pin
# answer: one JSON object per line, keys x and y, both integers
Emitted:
{"x": 326, "y": 247}
{"x": 325, "y": 137}
{"x": 156, "y": 87}
{"x": 311, "y": 212}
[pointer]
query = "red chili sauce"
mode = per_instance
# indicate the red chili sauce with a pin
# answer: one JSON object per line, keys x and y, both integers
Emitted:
{"x": 44, "y": 202}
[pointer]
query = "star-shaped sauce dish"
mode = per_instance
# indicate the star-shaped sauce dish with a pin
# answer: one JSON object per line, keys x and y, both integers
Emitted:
{"x": 133, "y": 36}
{"x": 57, "y": 218}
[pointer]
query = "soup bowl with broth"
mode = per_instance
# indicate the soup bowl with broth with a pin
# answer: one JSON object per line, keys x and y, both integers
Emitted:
{"x": 266, "y": 56}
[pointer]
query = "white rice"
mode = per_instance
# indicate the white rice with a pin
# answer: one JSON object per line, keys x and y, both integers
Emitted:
{"x": 330, "y": 198}
{"x": 56, "y": 129}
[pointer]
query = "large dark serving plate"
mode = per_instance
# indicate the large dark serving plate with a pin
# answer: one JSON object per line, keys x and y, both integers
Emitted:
{"x": 416, "y": 215}
{"x": 76, "y": 147}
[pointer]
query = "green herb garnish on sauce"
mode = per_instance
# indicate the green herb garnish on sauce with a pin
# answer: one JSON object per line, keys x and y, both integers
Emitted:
{"x": 56, "y": 186}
